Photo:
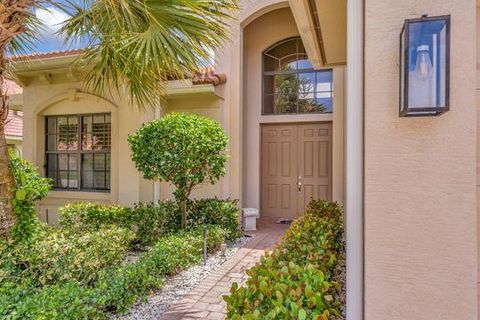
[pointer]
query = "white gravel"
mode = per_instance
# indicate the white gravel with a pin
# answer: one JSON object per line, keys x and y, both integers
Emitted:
{"x": 175, "y": 287}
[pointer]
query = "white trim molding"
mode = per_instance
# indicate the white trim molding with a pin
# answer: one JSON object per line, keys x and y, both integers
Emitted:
{"x": 354, "y": 166}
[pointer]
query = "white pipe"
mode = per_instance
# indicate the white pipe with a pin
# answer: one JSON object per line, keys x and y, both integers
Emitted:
{"x": 354, "y": 159}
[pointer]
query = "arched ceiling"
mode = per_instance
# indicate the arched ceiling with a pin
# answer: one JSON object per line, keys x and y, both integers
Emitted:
{"x": 323, "y": 27}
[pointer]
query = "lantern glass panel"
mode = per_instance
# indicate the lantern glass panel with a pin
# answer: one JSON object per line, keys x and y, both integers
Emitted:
{"x": 427, "y": 74}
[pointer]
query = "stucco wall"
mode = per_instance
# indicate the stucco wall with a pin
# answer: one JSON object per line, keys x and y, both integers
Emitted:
{"x": 207, "y": 106}
{"x": 127, "y": 186}
{"x": 258, "y": 35}
{"x": 420, "y": 202}
{"x": 61, "y": 95}
{"x": 478, "y": 139}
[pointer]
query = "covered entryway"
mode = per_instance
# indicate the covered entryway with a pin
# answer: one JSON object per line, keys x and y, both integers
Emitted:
{"x": 296, "y": 167}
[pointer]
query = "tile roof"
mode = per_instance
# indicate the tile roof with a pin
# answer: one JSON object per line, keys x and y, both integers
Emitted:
{"x": 11, "y": 87}
{"x": 46, "y": 55}
{"x": 208, "y": 76}
{"x": 14, "y": 124}
{"x": 203, "y": 76}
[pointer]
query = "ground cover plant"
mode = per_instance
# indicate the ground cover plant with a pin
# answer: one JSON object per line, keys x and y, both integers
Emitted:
{"x": 89, "y": 282}
{"x": 302, "y": 278}
{"x": 80, "y": 270}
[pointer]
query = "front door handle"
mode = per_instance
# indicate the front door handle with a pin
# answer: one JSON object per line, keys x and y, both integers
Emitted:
{"x": 299, "y": 183}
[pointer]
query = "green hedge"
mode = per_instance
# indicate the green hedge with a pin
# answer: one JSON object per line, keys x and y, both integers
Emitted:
{"x": 60, "y": 256}
{"x": 114, "y": 288}
{"x": 149, "y": 221}
{"x": 302, "y": 277}
{"x": 213, "y": 211}
{"x": 86, "y": 216}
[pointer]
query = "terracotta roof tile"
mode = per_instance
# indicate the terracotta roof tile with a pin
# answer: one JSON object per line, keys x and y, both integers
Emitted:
{"x": 46, "y": 55}
{"x": 14, "y": 124}
{"x": 208, "y": 76}
{"x": 11, "y": 87}
{"x": 203, "y": 76}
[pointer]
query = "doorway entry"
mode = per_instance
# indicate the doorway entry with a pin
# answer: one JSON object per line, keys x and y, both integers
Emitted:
{"x": 296, "y": 167}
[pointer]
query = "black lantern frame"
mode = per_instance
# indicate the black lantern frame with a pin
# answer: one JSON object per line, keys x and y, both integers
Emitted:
{"x": 407, "y": 110}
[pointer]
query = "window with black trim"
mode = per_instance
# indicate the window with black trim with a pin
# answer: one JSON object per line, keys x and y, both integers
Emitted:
{"x": 78, "y": 151}
{"x": 290, "y": 83}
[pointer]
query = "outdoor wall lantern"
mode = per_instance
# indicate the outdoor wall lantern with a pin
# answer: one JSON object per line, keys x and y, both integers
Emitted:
{"x": 425, "y": 66}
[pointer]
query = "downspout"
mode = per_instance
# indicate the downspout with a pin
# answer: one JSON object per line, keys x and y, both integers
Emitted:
{"x": 354, "y": 127}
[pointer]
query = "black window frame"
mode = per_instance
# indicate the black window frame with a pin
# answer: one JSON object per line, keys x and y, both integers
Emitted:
{"x": 80, "y": 152}
{"x": 295, "y": 72}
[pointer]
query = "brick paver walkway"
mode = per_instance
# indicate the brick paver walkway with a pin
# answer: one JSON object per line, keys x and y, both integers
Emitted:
{"x": 205, "y": 301}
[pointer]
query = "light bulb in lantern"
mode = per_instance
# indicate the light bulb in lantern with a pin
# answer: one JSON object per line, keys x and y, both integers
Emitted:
{"x": 423, "y": 66}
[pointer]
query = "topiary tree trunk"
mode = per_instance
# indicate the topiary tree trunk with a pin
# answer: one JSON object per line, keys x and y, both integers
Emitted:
{"x": 181, "y": 194}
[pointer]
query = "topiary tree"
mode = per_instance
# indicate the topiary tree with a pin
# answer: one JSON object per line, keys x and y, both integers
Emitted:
{"x": 183, "y": 149}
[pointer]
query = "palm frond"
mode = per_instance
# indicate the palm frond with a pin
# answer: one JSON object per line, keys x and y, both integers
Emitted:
{"x": 137, "y": 45}
{"x": 27, "y": 41}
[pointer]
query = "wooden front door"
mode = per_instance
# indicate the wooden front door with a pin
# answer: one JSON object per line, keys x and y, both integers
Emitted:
{"x": 296, "y": 167}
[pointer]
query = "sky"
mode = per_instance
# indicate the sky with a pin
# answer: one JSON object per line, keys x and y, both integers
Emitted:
{"x": 49, "y": 40}
{"x": 52, "y": 19}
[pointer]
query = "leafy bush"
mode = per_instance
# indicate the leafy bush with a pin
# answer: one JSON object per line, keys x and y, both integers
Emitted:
{"x": 183, "y": 149}
{"x": 178, "y": 251}
{"x": 62, "y": 256}
{"x": 151, "y": 222}
{"x": 302, "y": 278}
{"x": 122, "y": 286}
{"x": 30, "y": 186}
{"x": 223, "y": 213}
{"x": 62, "y": 301}
{"x": 84, "y": 216}
{"x": 113, "y": 288}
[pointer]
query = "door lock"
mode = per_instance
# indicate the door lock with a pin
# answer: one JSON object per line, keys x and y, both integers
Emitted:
{"x": 299, "y": 183}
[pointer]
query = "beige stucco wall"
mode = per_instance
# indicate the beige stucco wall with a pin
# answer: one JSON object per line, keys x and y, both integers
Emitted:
{"x": 478, "y": 139}
{"x": 64, "y": 97}
{"x": 420, "y": 196}
{"x": 258, "y": 35}
{"x": 207, "y": 106}
{"x": 16, "y": 143}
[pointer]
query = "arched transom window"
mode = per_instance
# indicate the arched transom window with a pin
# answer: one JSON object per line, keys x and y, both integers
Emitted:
{"x": 291, "y": 85}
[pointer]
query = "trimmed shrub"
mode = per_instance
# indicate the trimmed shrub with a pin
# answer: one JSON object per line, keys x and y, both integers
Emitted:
{"x": 122, "y": 286}
{"x": 62, "y": 301}
{"x": 183, "y": 149}
{"x": 113, "y": 289}
{"x": 154, "y": 221}
{"x": 85, "y": 216}
{"x": 62, "y": 256}
{"x": 302, "y": 277}
{"x": 215, "y": 211}
{"x": 151, "y": 222}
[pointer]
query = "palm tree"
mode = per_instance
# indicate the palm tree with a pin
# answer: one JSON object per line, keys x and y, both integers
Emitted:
{"x": 131, "y": 46}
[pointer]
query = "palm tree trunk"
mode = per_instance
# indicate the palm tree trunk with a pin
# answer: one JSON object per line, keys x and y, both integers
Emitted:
{"x": 7, "y": 181}
{"x": 13, "y": 15}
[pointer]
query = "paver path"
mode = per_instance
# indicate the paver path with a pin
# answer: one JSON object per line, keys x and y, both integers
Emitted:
{"x": 205, "y": 301}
